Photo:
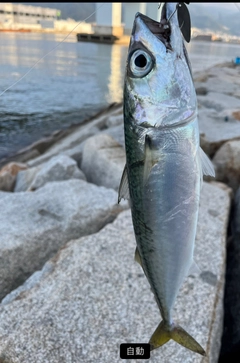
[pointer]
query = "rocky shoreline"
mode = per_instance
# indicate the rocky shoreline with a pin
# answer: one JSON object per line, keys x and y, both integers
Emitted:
{"x": 70, "y": 289}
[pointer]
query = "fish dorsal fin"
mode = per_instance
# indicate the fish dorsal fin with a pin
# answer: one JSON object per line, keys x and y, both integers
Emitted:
{"x": 207, "y": 166}
{"x": 123, "y": 191}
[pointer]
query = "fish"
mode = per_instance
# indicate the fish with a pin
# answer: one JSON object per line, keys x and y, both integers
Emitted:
{"x": 165, "y": 164}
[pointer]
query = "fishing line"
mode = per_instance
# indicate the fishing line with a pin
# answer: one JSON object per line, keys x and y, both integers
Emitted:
{"x": 173, "y": 13}
{"x": 237, "y": 6}
{"x": 39, "y": 60}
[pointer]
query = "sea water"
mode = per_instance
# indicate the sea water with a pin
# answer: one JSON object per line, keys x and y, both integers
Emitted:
{"x": 72, "y": 83}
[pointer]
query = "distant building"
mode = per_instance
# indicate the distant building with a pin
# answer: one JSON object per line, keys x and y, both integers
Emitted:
{"x": 18, "y": 17}
{"x": 11, "y": 13}
{"x": 207, "y": 38}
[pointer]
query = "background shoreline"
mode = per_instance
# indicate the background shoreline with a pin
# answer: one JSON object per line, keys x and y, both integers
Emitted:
{"x": 43, "y": 143}
{"x": 70, "y": 84}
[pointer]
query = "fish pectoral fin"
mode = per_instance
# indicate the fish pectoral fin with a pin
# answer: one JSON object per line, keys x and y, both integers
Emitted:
{"x": 194, "y": 269}
{"x": 164, "y": 333}
{"x": 149, "y": 159}
{"x": 123, "y": 191}
{"x": 137, "y": 257}
{"x": 206, "y": 164}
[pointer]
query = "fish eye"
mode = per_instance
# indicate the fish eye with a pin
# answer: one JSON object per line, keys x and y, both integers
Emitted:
{"x": 141, "y": 63}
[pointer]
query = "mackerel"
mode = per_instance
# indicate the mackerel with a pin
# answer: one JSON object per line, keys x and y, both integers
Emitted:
{"x": 164, "y": 162}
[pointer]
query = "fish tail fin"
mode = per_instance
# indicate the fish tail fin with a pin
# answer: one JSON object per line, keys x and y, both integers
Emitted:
{"x": 164, "y": 333}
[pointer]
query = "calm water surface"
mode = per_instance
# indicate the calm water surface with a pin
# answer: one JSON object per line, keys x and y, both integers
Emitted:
{"x": 72, "y": 83}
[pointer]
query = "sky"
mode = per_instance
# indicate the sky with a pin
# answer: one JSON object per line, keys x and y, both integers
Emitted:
{"x": 231, "y": 6}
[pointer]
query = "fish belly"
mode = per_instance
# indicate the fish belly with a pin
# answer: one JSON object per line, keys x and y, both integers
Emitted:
{"x": 164, "y": 211}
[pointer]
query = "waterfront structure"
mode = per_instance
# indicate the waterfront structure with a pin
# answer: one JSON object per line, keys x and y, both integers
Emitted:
{"x": 203, "y": 37}
{"x": 109, "y": 17}
{"x": 108, "y": 20}
{"x": 11, "y": 13}
{"x": 130, "y": 9}
{"x": 19, "y": 17}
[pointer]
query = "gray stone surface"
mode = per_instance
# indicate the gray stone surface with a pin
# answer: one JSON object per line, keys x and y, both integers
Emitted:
{"x": 103, "y": 161}
{"x": 25, "y": 177}
{"x": 227, "y": 163}
{"x": 116, "y": 118}
{"x": 21, "y": 156}
{"x": 79, "y": 134}
{"x": 221, "y": 102}
{"x": 33, "y": 226}
{"x": 60, "y": 167}
{"x": 215, "y": 131}
{"x": 217, "y": 108}
{"x": 75, "y": 153}
{"x": 117, "y": 132}
{"x": 92, "y": 296}
{"x": 110, "y": 117}
{"x": 222, "y": 78}
{"x": 202, "y": 91}
{"x": 8, "y": 175}
{"x": 68, "y": 142}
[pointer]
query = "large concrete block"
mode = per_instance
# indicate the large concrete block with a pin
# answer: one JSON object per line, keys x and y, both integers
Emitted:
{"x": 92, "y": 296}
{"x": 34, "y": 225}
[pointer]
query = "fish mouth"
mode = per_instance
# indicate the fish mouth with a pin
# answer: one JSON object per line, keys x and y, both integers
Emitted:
{"x": 162, "y": 29}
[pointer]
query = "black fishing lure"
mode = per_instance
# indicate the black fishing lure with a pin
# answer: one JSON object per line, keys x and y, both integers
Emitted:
{"x": 184, "y": 21}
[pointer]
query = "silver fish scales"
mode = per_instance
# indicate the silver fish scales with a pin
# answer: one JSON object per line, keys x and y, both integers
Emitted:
{"x": 164, "y": 162}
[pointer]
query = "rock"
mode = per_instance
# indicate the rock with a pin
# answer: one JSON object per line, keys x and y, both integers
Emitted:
{"x": 8, "y": 175}
{"x": 223, "y": 80}
{"x": 227, "y": 163}
{"x": 73, "y": 139}
{"x": 215, "y": 131}
{"x": 217, "y": 109}
{"x": 92, "y": 296}
{"x": 43, "y": 144}
{"x": 236, "y": 115}
{"x": 220, "y": 102}
{"x": 116, "y": 118}
{"x": 200, "y": 77}
{"x": 21, "y": 157}
{"x": 13, "y": 168}
{"x": 60, "y": 167}
{"x": 33, "y": 226}
{"x": 231, "y": 334}
{"x": 80, "y": 134}
{"x": 117, "y": 132}
{"x": 25, "y": 178}
{"x": 103, "y": 161}
{"x": 76, "y": 153}
{"x": 201, "y": 91}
